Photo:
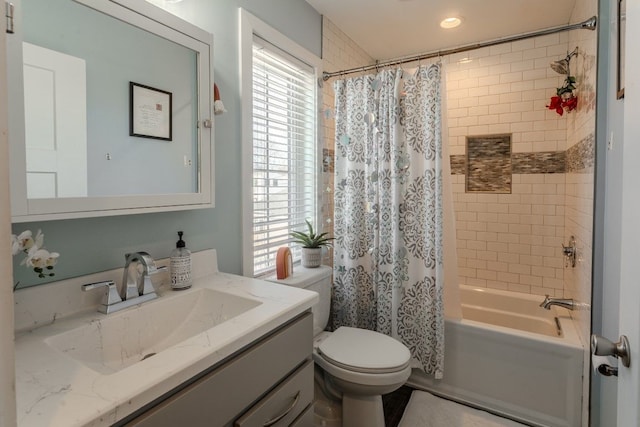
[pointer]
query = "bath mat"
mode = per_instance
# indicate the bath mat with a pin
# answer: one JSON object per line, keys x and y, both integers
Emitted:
{"x": 427, "y": 410}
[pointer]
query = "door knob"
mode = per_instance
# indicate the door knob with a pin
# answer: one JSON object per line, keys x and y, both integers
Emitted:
{"x": 603, "y": 347}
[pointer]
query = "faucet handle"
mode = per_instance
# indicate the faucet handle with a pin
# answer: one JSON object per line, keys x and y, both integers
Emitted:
{"x": 147, "y": 285}
{"x": 111, "y": 295}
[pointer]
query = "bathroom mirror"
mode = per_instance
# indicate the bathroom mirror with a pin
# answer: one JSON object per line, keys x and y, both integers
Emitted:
{"x": 111, "y": 106}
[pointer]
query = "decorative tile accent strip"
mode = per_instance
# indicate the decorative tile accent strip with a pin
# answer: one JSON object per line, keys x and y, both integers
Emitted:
{"x": 521, "y": 163}
{"x": 458, "y": 164}
{"x": 489, "y": 164}
{"x": 328, "y": 157}
{"x": 581, "y": 156}
{"x": 577, "y": 158}
{"x": 541, "y": 162}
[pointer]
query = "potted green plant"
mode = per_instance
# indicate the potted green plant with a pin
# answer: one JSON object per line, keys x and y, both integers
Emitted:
{"x": 312, "y": 244}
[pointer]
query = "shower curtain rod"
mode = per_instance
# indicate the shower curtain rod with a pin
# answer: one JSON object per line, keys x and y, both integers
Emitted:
{"x": 589, "y": 24}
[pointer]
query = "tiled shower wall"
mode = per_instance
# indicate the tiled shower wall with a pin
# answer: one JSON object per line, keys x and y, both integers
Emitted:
{"x": 511, "y": 241}
{"x": 506, "y": 241}
{"x": 339, "y": 52}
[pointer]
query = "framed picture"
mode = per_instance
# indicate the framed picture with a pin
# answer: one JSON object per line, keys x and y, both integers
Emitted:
{"x": 622, "y": 25}
{"x": 149, "y": 112}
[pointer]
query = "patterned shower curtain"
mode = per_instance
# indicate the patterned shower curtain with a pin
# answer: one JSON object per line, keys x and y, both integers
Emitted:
{"x": 388, "y": 269}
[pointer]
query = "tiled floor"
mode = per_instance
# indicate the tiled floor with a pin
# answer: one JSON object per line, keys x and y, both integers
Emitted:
{"x": 427, "y": 410}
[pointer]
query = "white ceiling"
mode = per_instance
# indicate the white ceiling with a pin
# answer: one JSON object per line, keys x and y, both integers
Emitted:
{"x": 388, "y": 29}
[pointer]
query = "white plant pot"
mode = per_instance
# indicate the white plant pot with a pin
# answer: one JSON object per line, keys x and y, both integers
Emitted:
{"x": 311, "y": 257}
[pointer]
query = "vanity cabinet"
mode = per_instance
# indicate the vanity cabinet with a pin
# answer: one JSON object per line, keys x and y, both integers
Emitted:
{"x": 270, "y": 383}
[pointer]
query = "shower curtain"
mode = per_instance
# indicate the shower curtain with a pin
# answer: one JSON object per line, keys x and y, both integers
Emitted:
{"x": 388, "y": 226}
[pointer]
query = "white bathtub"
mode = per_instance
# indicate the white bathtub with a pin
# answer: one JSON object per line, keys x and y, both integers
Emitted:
{"x": 513, "y": 358}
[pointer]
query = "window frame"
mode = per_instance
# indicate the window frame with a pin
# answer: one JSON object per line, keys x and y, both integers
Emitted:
{"x": 251, "y": 26}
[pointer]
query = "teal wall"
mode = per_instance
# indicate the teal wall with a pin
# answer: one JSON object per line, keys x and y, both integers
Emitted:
{"x": 96, "y": 244}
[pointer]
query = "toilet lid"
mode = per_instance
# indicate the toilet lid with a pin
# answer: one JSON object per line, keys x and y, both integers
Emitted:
{"x": 366, "y": 351}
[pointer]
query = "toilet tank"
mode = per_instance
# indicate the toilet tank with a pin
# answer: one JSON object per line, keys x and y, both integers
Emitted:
{"x": 317, "y": 280}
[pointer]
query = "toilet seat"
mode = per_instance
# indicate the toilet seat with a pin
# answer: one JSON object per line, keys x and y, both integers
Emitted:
{"x": 361, "y": 378}
{"x": 364, "y": 351}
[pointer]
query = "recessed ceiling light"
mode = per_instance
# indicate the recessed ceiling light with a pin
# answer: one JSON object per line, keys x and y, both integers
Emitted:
{"x": 450, "y": 22}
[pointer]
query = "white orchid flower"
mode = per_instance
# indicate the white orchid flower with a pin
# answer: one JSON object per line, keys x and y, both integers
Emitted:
{"x": 52, "y": 259}
{"x": 37, "y": 258}
{"x": 22, "y": 242}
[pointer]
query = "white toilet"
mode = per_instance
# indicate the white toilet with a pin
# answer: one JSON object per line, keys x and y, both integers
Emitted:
{"x": 356, "y": 365}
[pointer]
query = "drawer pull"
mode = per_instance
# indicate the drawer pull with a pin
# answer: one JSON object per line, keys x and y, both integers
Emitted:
{"x": 284, "y": 414}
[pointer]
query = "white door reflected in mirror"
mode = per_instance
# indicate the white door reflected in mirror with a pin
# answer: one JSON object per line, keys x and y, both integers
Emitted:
{"x": 55, "y": 106}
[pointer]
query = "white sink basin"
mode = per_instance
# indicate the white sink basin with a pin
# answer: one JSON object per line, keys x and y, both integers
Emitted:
{"x": 122, "y": 339}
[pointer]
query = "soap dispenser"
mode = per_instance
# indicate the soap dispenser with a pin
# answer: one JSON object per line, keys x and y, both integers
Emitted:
{"x": 180, "y": 265}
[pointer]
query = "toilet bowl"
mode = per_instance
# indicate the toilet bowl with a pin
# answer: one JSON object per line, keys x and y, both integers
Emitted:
{"x": 358, "y": 366}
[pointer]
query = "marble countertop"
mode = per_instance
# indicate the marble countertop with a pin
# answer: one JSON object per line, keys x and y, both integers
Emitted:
{"x": 53, "y": 389}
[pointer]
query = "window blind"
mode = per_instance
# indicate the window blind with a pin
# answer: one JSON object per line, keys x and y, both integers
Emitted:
{"x": 284, "y": 151}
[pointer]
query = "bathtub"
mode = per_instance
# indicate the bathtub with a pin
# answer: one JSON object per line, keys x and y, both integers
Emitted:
{"x": 511, "y": 357}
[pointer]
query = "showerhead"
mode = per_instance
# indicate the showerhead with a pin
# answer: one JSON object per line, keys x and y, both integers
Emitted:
{"x": 562, "y": 66}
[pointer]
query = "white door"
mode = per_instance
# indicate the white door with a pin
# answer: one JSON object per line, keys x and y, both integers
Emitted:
{"x": 7, "y": 367}
{"x": 629, "y": 317}
{"x": 55, "y": 123}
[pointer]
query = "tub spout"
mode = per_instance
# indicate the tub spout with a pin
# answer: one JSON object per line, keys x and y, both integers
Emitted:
{"x": 567, "y": 303}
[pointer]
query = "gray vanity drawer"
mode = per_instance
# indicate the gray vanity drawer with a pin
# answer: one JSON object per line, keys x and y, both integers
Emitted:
{"x": 228, "y": 390}
{"x": 305, "y": 419}
{"x": 284, "y": 403}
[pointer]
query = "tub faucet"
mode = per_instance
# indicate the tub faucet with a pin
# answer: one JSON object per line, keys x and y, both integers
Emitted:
{"x": 567, "y": 303}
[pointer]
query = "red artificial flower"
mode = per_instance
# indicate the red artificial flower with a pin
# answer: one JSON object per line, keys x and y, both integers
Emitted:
{"x": 571, "y": 103}
{"x": 565, "y": 100}
{"x": 556, "y": 104}
{"x": 561, "y": 104}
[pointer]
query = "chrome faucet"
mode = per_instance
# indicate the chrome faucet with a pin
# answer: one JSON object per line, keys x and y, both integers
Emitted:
{"x": 136, "y": 286}
{"x": 568, "y": 303}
